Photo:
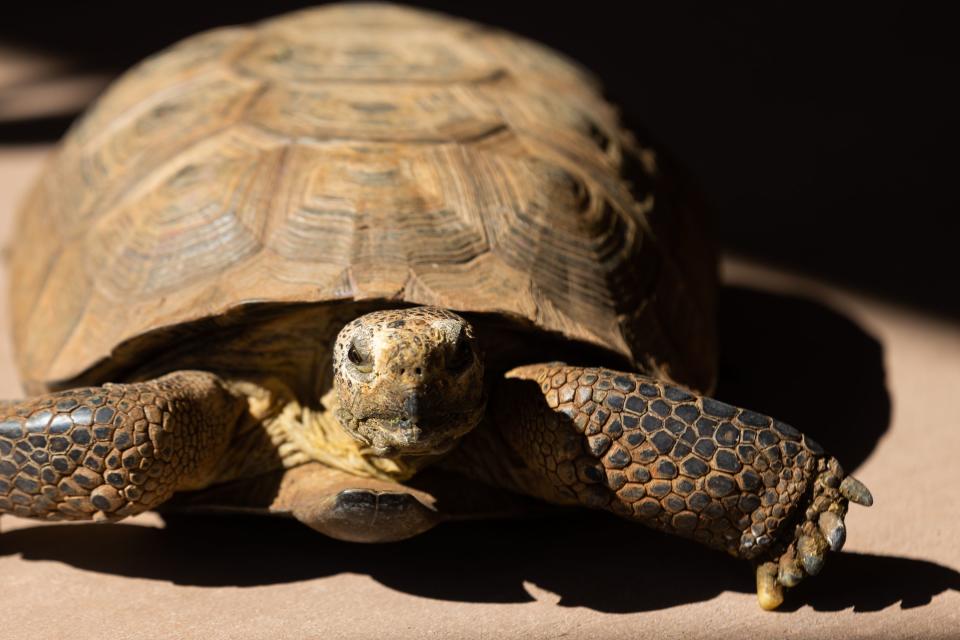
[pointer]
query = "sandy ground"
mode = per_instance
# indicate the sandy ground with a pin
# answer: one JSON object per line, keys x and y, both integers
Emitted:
{"x": 875, "y": 383}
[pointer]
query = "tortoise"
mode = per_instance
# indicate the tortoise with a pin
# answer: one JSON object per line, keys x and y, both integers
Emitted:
{"x": 349, "y": 247}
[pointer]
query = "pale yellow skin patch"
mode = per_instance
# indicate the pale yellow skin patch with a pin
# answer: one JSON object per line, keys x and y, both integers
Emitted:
{"x": 309, "y": 435}
{"x": 300, "y": 435}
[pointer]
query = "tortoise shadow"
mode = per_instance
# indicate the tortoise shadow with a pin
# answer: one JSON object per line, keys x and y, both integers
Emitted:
{"x": 806, "y": 364}
{"x": 486, "y": 561}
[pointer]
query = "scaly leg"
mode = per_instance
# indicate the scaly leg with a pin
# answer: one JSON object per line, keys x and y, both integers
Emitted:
{"x": 113, "y": 451}
{"x": 655, "y": 453}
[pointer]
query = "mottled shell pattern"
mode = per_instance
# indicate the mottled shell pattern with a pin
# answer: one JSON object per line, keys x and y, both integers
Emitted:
{"x": 357, "y": 153}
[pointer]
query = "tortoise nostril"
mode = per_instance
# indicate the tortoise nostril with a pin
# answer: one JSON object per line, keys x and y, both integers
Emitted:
{"x": 417, "y": 371}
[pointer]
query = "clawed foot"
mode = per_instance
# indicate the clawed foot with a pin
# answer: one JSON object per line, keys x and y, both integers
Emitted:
{"x": 821, "y": 528}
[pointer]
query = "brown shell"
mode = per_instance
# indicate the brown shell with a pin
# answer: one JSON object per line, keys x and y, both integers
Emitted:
{"x": 357, "y": 152}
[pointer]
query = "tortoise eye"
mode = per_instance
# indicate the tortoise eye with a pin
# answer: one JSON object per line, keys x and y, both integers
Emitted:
{"x": 462, "y": 355}
{"x": 353, "y": 355}
{"x": 362, "y": 364}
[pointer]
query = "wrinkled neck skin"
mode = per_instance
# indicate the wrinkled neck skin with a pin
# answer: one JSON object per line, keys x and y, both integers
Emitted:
{"x": 300, "y": 434}
{"x": 407, "y": 385}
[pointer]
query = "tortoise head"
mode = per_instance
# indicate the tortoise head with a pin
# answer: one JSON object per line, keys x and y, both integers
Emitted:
{"x": 408, "y": 381}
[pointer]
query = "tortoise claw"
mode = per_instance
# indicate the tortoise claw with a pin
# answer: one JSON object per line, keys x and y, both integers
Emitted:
{"x": 833, "y": 530}
{"x": 811, "y": 549}
{"x": 855, "y": 491}
{"x": 769, "y": 590}
{"x": 789, "y": 573}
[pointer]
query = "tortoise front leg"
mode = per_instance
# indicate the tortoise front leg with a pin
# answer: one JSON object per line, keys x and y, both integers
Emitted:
{"x": 648, "y": 451}
{"x": 113, "y": 451}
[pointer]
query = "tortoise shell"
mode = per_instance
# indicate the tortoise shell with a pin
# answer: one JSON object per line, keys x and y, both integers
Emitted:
{"x": 355, "y": 153}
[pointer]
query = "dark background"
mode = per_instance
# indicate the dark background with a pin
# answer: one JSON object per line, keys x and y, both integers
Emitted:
{"x": 823, "y": 135}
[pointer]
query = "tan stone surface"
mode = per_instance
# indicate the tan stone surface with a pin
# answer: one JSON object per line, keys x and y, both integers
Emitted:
{"x": 590, "y": 577}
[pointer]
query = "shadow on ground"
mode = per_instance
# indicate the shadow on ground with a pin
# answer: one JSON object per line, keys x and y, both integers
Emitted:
{"x": 805, "y": 364}
{"x": 588, "y": 560}
{"x": 790, "y": 357}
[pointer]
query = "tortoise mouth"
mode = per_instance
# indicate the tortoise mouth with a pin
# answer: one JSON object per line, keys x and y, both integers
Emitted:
{"x": 391, "y": 435}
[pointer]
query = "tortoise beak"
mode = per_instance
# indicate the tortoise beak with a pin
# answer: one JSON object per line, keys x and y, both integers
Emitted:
{"x": 411, "y": 405}
{"x": 414, "y": 427}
